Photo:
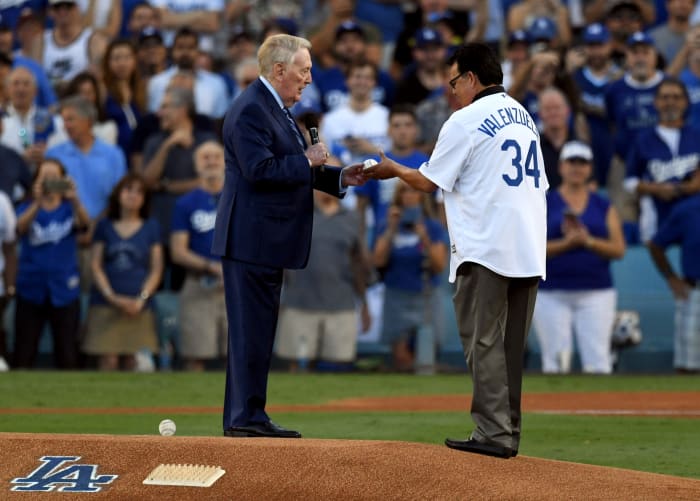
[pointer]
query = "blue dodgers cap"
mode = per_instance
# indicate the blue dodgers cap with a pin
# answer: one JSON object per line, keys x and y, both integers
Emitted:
{"x": 639, "y": 38}
{"x": 518, "y": 36}
{"x": 349, "y": 27}
{"x": 596, "y": 33}
{"x": 542, "y": 28}
{"x": 427, "y": 36}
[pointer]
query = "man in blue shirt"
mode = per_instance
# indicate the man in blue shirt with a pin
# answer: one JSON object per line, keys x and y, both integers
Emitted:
{"x": 94, "y": 165}
{"x": 378, "y": 195}
{"x": 629, "y": 103}
{"x": 662, "y": 164}
{"x": 592, "y": 81}
{"x": 202, "y": 309}
{"x": 350, "y": 45}
{"x": 682, "y": 228}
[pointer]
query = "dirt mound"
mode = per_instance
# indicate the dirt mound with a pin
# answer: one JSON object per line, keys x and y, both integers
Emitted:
{"x": 310, "y": 469}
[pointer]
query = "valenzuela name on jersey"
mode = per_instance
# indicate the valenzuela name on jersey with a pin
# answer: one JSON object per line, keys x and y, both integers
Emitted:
{"x": 508, "y": 116}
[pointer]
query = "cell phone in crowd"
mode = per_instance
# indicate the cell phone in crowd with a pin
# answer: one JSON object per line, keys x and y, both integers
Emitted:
{"x": 571, "y": 218}
{"x": 59, "y": 185}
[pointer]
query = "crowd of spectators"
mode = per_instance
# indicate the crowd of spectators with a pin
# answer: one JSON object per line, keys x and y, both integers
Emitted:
{"x": 95, "y": 90}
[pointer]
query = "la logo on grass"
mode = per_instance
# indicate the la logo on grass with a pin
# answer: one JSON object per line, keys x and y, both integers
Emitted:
{"x": 54, "y": 473}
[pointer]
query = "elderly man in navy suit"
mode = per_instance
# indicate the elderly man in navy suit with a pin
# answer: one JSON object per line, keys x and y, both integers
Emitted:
{"x": 264, "y": 221}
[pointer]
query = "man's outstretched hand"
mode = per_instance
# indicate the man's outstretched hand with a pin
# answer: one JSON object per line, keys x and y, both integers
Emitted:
{"x": 353, "y": 175}
{"x": 385, "y": 169}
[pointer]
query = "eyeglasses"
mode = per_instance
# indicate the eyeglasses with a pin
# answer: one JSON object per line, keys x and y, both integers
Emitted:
{"x": 453, "y": 82}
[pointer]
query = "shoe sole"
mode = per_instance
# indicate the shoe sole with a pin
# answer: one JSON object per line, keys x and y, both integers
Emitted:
{"x": 248, "y": 434}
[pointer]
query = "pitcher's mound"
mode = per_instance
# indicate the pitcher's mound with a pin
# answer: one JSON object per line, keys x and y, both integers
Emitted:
{"x": 308, "y": 469}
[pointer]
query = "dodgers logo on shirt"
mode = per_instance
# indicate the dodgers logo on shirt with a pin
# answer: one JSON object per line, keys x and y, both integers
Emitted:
{"x": 55, "y": 474}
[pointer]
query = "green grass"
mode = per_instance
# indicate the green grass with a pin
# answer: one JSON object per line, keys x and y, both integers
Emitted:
{"x": 661, "y": 445}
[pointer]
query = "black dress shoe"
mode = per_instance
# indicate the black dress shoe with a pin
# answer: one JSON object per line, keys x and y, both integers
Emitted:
{"x": 471, "y": 445}
{"x": 268, "y": 429}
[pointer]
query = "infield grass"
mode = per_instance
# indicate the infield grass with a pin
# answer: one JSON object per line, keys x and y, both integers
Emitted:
{"x": 654, "y": 444}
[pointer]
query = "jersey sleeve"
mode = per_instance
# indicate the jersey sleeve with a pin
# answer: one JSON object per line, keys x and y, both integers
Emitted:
{"x": 101, "y": 230}
{"x": 180, "y": 219}
{"x": 451, "y": 153}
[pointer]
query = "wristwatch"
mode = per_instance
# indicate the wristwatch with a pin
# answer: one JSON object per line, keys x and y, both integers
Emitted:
{"x": 143, "y": 296}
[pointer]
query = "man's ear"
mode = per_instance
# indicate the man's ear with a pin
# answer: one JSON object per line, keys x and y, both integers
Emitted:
{"x": 278, "y": 70}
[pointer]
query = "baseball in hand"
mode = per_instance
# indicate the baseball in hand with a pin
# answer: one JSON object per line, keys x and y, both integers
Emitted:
{"x": 369, "y": 163}
{"x": 167, "y": 427}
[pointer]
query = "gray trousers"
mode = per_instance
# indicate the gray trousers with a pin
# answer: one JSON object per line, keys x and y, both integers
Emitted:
{"x": 493, "y": 316}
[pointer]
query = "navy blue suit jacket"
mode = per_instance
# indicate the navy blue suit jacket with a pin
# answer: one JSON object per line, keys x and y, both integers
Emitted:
{"x": 266, "y": 207}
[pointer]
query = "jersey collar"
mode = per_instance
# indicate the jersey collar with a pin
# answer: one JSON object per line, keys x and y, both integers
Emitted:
{"x": 488, "y": 91}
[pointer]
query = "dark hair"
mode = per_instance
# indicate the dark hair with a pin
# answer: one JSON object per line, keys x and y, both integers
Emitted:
{"x": 73, "y": 89}
{"x": 185, "y": 32}
{"x": 678, "y": 83}
{"x": 113, "y": 205}
{"x": 481, "y": 60}
{"x": 136, "y": 84}
{"x": 362, "y": 63}
{"x": 403, "y": 109}
{"x": 47, "y": 160}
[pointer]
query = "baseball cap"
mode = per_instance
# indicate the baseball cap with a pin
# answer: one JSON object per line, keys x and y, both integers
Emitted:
{"x": 518, "y": 36}
{"x": 284, "y": 24}
{"x": 349, "y": 27}
{"x": 427, "y": 36}
{"x": 596, "y": 33}
{"x": 542, "y": 28}
{"x": 148, "y": 33}
{"x": 639, "y": 38}
{"x": 576, "y": 150}
{"x": 618, "y": 5}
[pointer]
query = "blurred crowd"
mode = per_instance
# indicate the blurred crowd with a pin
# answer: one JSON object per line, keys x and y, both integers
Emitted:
{"x": 111, "y": 165}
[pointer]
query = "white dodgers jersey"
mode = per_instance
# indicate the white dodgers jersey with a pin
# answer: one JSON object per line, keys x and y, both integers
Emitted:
{"x": 488, "y": 162}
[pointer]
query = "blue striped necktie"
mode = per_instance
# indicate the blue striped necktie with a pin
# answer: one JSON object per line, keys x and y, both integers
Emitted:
{"x": 294, "y": 127}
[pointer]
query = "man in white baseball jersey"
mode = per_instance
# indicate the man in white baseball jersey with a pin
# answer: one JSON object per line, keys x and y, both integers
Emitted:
{"x": 489, "y": 164}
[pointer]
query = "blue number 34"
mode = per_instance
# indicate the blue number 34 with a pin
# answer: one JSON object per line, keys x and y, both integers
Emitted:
{"x": 531, "y": 169}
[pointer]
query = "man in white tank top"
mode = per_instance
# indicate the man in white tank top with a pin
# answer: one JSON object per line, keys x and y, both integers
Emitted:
{"x": 489, "y": 164}
{"x": 66, "y": 45}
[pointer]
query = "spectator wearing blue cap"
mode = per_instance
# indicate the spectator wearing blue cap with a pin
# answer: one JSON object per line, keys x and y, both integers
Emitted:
{"x": 629, "y": 103}
{"x": 543, "y": 19}
{"x": 592, "y": 80}
{"x": 669, "y": 37}
{"x": 436, "y": 15}
{"x": 426, "y": 77}
{"x": 623, "y": 18}
{"x": 351, "y": 45}
{"x": 151, "y": 53}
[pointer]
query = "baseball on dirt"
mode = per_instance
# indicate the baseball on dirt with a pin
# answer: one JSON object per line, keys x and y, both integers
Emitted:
{"x": 167, "y": 427}
{"x": 369, "y": 163}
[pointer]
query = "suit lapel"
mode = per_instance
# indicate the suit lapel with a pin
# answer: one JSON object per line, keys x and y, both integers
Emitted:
{"x": 279, "y": 114}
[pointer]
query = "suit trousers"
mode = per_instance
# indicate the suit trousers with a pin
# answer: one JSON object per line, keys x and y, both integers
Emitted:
{"x": 252, "y": 307}
{"x": 493, "y": 316}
